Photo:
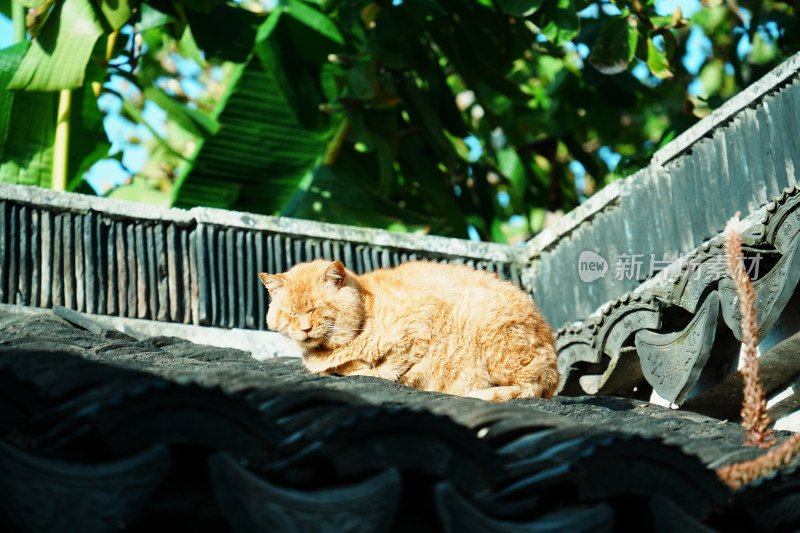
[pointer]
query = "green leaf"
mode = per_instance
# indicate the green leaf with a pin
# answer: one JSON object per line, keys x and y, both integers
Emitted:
{"x": 265, "y": 28}
{"x": 30, "y": 3}
{"x": 88, "y": 141}
{"x": 764, "y": 50}
{"x": 430, "y": 193}
{"x": 478, "y": 44}
{"x": 314, "y": 19}
{"x": 191, "y": 120}
{"x": 293, "y": 55}
{"x": 27, "y": 154}
{"x": 615, "y": 46}
{"x": 670, "y": 43}
{"x": 711, "y": 76}
{"x": 391, "y": 46}
{"x": 657, "y": 61}
{"x": 388, "y": 42}
{"x": 117, "y": 12}
{"x": 382, "y": 127}
{"x": 305, "y": 42}
{"x": 152, "y": 18}
{"x": 200, "y": 6}
{"x": 711, "y": 19}
{"x": 459, "y": 146}
{"x": 188, "y": 47}
{"x": 423, "y": 115}
{"x": 520, "y": 8}
{"x": 336, "y": 195}
{"x": 361, "y": 81}
{"x": 131, "y": 112}
{"x": 225, "y": 32}
{"x": 140, "y": 190}
{"x": 512, "y": 167}
{"x": 560, "y": 21}
{"x": 57, "y": 58}
{"x": 27, "y": 127}
{"x": 327, "y": 6}
{"x": 331, "y": 80}
{"x": 260, "y": 153}
{"x": 10, "y": 58}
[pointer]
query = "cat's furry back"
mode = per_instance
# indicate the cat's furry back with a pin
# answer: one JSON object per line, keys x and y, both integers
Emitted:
{"x": 432, "y": 326}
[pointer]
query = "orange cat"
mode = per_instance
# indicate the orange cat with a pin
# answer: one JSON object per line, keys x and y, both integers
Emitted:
{"x": 432, "y": 326}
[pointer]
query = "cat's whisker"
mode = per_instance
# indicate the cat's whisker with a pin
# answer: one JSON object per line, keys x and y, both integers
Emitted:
{"x": 345, "y": 329}
{"x": 345, "y": 332}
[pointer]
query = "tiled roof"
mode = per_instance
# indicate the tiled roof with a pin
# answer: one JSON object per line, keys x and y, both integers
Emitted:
{"x": 680, "y": 332}
{"x": 101, "y": 429}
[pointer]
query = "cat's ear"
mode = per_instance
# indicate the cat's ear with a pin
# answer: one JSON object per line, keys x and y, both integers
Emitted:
{"x": 334, "y": 274}
{"x": 270, "y": 281}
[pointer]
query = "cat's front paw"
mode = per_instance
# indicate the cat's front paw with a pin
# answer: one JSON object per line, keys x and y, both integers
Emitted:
{"x": 366, "y": 371}
{"x": 487, "y": 395}
{"x": 505, "y": 393}
{"x": 357, "y": 368}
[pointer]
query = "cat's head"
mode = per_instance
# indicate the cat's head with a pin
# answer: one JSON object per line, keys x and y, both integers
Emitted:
{"x": 318, "y": 305}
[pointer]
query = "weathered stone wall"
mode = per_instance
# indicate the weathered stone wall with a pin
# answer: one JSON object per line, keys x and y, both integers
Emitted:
{"x": 199, "y": 266}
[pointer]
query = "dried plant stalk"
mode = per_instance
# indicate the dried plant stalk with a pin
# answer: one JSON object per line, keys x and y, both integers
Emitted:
{"x": 738, "y": 475}
{"x": 755, "y": 420}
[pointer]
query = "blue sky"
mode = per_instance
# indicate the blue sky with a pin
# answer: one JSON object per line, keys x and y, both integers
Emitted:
{"x": 6, "y": 32}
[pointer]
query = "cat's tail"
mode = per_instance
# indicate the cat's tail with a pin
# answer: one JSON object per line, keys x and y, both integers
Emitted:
{"x": 519, "y": 370}
{"x": 509, "y": 392}
{"x": 537, "y": 379}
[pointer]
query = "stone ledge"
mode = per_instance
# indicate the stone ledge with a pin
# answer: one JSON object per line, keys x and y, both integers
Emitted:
{"x": 770, "y": 82}
{"x": 73, "y": 202}
{"x": 261, "y": 344}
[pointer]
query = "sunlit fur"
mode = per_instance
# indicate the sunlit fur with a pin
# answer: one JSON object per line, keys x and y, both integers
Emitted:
{"x": 432, "y": 326}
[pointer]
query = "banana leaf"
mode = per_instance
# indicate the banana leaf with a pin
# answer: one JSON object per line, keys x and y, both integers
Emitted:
{"x": 259, "y": 155}
{"x": 58, "y": 57}
{"x": 28, "y": 126}
{"x": 263, "y": 147}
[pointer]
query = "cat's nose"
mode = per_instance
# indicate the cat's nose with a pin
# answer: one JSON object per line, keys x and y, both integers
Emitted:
{"x": 305, "y": 328}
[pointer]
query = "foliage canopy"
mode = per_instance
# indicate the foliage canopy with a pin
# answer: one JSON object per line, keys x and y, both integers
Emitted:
{"x": 411, "y": 115}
